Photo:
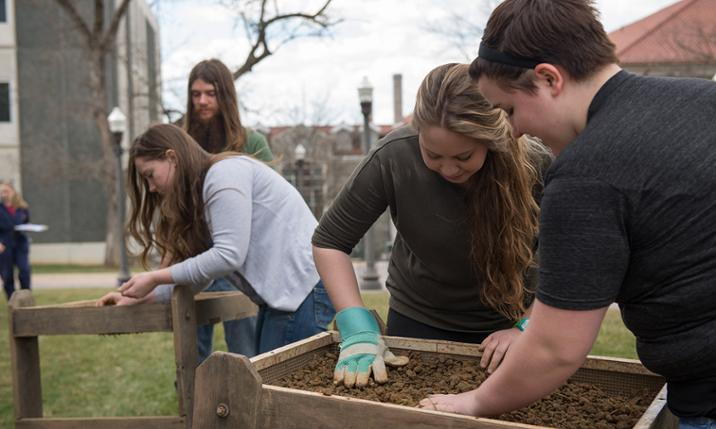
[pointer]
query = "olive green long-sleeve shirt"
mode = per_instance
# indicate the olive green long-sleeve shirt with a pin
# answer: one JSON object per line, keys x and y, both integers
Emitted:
{"x": 430, "y": 275}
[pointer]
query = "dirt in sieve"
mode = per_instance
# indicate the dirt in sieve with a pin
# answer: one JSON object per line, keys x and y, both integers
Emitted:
{"x": 574, "y": 405}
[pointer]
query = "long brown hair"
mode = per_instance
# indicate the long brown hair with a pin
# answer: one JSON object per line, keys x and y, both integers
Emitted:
{"x": 502, "y": 210}
{"x": 216, "y": 73}
{"x": 174, "y": 222}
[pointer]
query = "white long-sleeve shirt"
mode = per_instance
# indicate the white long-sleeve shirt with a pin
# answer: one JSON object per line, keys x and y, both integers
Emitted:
{"x": 260, "y": 228}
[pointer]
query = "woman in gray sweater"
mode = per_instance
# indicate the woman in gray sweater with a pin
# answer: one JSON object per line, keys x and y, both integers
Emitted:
{"x": 462, "y": 193}
{"x": 226, "y": 215}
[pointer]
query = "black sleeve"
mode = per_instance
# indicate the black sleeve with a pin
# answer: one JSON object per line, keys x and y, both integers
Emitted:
{"x": 584, "y": 246}
{"x": 361, "y": 201}
{"x": 22, "y": 216}
{"x": 541, "y": 163}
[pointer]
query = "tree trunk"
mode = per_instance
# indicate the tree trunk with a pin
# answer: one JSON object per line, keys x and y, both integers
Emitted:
{"x": 108, "y": 160}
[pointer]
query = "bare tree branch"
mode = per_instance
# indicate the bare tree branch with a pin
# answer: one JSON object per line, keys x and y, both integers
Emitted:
{"x": 77, "y": 19}
{"x": 462, "y": 30}
{"x": 109, "y": 35}
{"x": 266, "y": 29}
{"x": 696, "y": 39}
{"x": 100, "y": 43}
{"x": 257, "y": 30}
{"x": 98, "y": 18}
{"x": 458, "y": 32}
{"x": 317, "y": 18}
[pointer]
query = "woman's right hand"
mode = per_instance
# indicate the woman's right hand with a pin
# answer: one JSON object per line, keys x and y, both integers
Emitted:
{"x": 2, "y": 248}
{"x": 363, "y": 351}
{"x": 116, "y": 298}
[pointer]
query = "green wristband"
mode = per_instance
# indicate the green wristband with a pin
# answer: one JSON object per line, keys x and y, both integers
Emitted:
{"x": 522, "y": 324}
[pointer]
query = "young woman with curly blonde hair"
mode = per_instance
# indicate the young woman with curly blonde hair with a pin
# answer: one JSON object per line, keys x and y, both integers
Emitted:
{"x": 462, "y": 193}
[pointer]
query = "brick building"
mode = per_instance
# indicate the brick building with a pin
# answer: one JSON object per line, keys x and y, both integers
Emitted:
{"x": 679, "y": 40}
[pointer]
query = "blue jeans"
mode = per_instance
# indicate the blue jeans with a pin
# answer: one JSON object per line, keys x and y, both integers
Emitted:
{"x": 240, "y": 335}
{"x": 697, "y": 423}
{"x": 276, "y": 328}
{"x": 17, "y": 255}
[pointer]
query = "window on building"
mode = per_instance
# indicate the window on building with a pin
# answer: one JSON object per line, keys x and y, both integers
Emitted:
{"x": 4, "y": 102}
{"x": 3, "y": 13}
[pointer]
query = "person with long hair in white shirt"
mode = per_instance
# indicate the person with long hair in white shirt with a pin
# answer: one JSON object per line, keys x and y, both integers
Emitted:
{"x": 227, "y": 215}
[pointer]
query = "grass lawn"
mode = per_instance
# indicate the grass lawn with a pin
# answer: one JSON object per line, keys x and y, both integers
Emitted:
{"x": 123, "y": 375}
{"x": 614, "y": 339}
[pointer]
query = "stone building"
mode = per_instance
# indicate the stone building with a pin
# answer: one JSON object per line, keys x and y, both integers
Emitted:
{"x": 332, "y": 153}
{"x": 48, "y": 139}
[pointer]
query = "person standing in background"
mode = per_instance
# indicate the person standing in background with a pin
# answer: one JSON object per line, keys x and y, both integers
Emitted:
{"x": 213, "y": 120}
{"x": 14, "y": 245}
{"x": 212, "y": 113}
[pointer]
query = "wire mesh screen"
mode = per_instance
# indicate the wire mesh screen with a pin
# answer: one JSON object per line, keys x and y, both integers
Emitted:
{"x": 612, "y": 382}
{"x": 619, "y": 383}
{"x": 273, "y": 373}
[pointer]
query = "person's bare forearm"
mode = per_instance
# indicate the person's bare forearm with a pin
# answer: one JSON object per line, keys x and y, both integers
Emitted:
{"x": 162, "y": 276}
{"x": 538, "y": 363}
{"x": 542, "y": 358}
{"x": 336, "y": 271}
{"x": 511, "y": 386}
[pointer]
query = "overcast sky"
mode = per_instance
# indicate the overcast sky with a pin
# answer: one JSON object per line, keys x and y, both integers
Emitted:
{"x": 316, "y": 80}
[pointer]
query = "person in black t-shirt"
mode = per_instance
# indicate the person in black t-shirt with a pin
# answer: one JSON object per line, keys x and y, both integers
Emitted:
{"x": 628, "y": 212}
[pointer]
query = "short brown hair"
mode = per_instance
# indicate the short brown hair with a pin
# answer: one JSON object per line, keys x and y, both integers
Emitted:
{"x": 565, "y": 33}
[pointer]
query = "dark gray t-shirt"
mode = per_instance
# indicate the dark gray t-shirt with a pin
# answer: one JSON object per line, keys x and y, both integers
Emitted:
{"x": 629, "y": 216}
{"x": 430, "y": 274}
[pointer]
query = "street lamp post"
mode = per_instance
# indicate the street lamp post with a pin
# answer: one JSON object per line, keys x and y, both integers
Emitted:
{"x": 299, "y": 154}
{"x": 370, "y": 275}
{"x": 117, "y": 126}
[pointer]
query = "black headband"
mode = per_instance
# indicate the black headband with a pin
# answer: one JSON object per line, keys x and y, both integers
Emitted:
{"x": 495, "y": 56}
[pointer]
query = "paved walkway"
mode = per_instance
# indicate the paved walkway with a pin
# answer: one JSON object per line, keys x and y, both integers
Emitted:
{"x": 109, "y": 279}
{"x": 74, "y": 280}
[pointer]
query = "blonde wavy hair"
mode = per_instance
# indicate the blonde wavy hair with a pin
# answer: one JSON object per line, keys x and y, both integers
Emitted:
{"x": 503, "y": 214}
{"x": 16, "y": 199}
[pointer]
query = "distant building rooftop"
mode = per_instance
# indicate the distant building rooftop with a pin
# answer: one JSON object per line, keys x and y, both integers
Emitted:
{"x": 684, "y": 32}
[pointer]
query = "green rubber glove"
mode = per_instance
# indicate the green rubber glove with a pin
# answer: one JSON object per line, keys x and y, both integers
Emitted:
{"x": 362, "y": 350}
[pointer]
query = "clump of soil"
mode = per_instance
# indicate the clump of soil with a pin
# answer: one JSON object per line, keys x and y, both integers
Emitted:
{"x": 572, "y": 406}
